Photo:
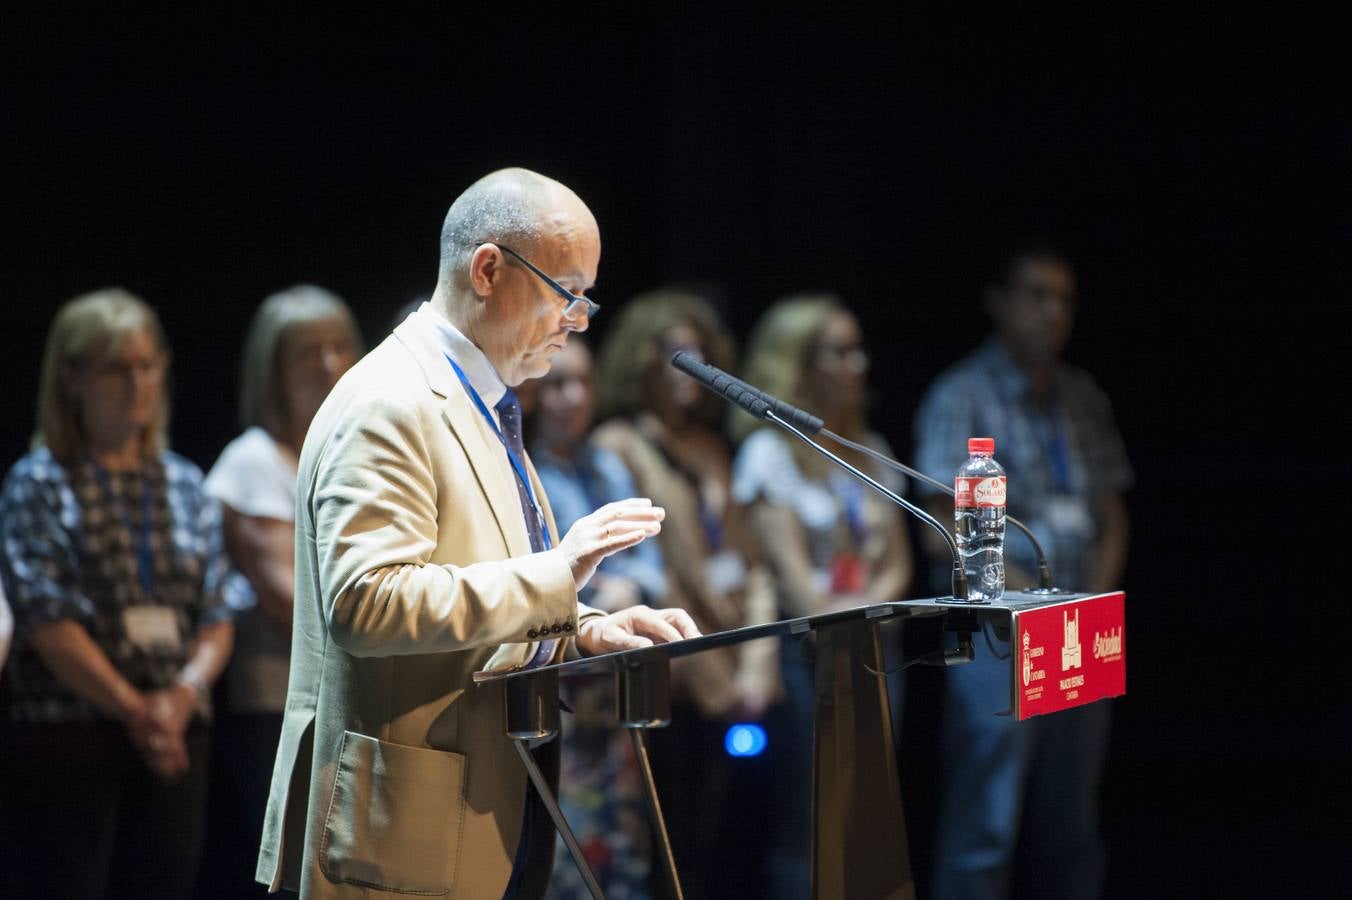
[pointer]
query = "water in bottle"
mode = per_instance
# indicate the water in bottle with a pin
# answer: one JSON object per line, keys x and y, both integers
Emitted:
{"x": 979, "y": 519}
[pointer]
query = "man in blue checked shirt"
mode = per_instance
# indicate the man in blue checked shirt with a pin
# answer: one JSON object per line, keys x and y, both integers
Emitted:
{"x": 1034, "y": 784}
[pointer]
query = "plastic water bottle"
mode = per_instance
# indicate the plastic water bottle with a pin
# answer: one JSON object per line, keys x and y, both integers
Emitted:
{"x": 979, "y": 520}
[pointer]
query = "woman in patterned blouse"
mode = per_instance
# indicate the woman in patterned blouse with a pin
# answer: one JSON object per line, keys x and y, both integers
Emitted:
{"x": 112, "y": 560}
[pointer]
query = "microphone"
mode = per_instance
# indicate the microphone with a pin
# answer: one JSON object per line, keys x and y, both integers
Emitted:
{"x": 762, "y": 406}
{"x": 742, "y": 394}
{"x": 710, "y": 375}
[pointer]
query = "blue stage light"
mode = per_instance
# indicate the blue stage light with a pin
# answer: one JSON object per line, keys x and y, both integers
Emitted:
{"x": 745, "y": 740}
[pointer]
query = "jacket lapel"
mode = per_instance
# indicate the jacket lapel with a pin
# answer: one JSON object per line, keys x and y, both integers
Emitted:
{"x": 482, "y": 447}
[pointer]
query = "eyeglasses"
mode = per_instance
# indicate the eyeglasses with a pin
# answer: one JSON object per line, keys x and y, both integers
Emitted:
{"x": 847, "y": 357}
{"x": 575, "y": 304}
{"x": 151, "y": 370}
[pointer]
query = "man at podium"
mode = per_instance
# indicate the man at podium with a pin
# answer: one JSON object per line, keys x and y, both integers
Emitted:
{"x": 426, "y": 551}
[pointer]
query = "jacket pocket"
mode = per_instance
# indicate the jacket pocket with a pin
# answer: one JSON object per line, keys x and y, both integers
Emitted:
{"x": 395, "y": 817}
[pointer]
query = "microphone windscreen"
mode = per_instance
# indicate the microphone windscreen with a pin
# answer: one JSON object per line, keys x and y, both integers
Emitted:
{"x": 686, "y": 363}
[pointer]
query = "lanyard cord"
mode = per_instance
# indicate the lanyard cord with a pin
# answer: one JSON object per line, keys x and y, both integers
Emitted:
{"x": 851, "y": 494}
{"x": 1050, "y": 426}
{"x": 517, "y": 465}
{"x": 145, "y": 564}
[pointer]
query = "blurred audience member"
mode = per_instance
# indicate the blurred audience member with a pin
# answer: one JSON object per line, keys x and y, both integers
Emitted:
{"x": 1032, "y": 785}
{"x": 830, "y": 541}
{"x": 600, "y": 789}
{"x": 664, "y": 426}
{"x": 300, "y": 342}
{"x": 112, "y": 559}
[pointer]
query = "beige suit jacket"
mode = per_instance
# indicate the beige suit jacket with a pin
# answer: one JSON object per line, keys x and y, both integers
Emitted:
{"x": 413, "y": 571}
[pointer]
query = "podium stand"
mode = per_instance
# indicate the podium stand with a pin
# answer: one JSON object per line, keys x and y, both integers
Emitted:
{"x": 859, "y": 846}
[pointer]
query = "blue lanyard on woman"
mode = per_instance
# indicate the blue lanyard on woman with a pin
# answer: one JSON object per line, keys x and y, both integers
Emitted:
{"x": 851, "y": 495}
{"x": 517, "y": 465}
{"x": 145, "y": 562}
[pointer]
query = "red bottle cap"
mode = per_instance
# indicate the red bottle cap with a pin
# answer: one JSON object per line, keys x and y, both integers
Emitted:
{"x": 981, "y": 445}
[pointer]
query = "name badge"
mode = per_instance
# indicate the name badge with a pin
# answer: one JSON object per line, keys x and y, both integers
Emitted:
{"x": 153, "y": 629}
{"x": 1069, "y": 515}
{"x": 725, "y": 572}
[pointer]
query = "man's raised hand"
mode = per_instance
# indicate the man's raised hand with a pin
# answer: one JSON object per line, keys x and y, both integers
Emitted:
{"x": 612, "y": 528}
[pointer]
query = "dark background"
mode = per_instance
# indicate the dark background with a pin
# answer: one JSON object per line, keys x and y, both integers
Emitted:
{"x": 1195, "y": 163}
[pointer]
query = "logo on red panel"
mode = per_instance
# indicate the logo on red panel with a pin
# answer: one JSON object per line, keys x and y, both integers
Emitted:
{"x": 979, "y": 491}
{"x": 1108, "y": 647}
{"x": 1027, "y": 659}
{"x": 1086, "y": 673}
{"x": 1070, "y": 646}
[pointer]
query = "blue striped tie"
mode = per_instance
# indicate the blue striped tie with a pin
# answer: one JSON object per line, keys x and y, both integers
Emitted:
{"x": 509, "y": 418}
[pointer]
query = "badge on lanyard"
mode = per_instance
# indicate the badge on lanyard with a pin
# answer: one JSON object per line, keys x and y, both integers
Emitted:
{"x": 1069, "y": 515}
{"x": 152, "y": 629}
{"x": 725, "y": 571}
{"x": 849, "y": 575}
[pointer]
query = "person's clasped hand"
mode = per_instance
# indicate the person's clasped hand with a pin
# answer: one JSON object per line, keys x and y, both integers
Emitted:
{"x": 158, "y": 730}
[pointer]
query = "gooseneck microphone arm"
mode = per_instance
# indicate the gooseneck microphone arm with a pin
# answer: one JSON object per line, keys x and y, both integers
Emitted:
{"x": 959, "y": 572}
{"x": 720, "y": 382}
{"x": 763, "y": 406}
{"x": 1044, "y": 574}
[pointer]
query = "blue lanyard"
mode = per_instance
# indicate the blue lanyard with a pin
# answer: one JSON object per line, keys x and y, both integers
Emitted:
{"x": 145, "y": 563}
{"x": 516, "y": 463}
{"x": 851, "y": 494}
{"x": 1059, "y": 454}
{"x": 1051, "y": 424}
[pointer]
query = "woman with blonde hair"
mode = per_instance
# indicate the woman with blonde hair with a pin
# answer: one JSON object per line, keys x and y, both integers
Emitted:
{"x": 665, "y": 428}
{"x": 113, "y": 563}
{"x": 809, "y": 351}
{"x": 600, "y": 789}
{"x": 300, "y": 342}
{"x": 829, "y": 540}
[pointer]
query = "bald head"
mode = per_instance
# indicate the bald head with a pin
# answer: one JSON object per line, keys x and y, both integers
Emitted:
{"x": 516, "y": 207}
{"x": 516, "y": 311}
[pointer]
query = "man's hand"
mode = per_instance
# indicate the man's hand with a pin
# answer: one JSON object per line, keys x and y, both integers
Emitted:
{"x": 612, "y": 528}
{"x": 635, "y": 627}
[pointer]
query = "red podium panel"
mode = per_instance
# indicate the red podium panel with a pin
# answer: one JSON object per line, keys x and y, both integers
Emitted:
{"x": 1069, "y": 654}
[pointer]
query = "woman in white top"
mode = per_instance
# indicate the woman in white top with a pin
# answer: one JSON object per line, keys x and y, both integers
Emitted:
{"x": 300, "y": 342}
{"x": 830, "y": 542}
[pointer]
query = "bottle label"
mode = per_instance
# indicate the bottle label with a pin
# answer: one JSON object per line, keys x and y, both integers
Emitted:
{"x": 974, "y": 492}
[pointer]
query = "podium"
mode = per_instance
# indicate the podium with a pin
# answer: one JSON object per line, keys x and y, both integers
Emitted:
{"x": 859, "y": 846}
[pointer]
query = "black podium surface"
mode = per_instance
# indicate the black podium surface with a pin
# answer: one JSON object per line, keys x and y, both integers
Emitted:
{"x": 859, "y": 846}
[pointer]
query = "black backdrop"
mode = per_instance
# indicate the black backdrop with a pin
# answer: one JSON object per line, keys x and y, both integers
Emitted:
{"x": 1194, "y": 162}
